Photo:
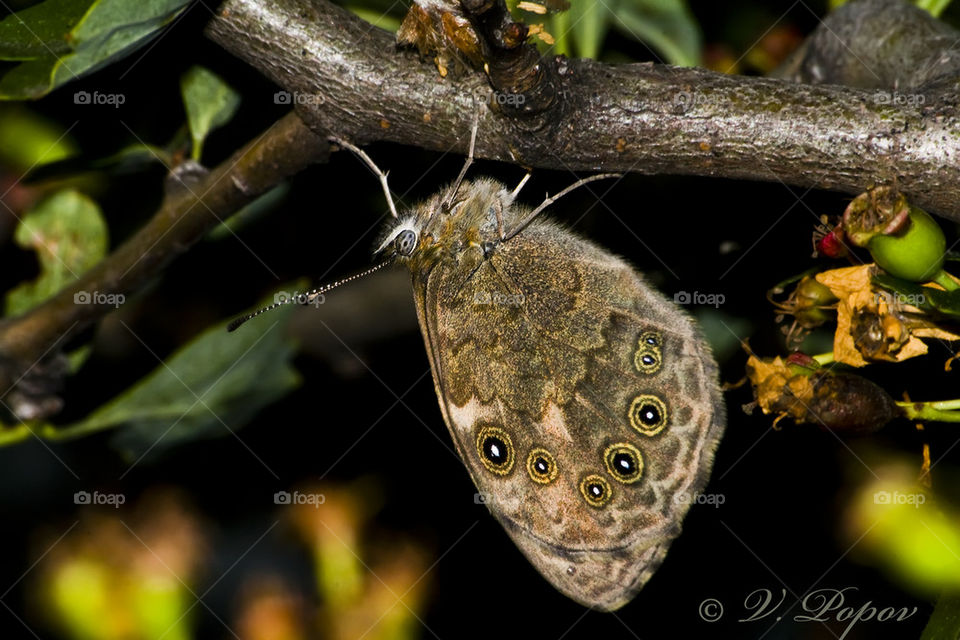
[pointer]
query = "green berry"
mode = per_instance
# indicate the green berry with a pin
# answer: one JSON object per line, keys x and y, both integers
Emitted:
{"x": 904, "y": 240}
{"x": 916, "y": 254}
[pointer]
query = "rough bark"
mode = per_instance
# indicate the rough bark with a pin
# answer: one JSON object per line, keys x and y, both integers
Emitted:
{"x": 350, "y": 78}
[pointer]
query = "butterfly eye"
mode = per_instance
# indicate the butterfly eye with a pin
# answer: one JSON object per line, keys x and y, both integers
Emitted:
{"x": 650, "y": 338}
{"x": 542, "y": 466}
{"x": 596, "y": 490}
{"x": 406, "y": 242}
{"x": 647, "y": 361}
{"x": 624, "y": 462}
{"x": 648, "y": 415}
{"x": 495, "y": 449}
{"x": 648, "y": 358}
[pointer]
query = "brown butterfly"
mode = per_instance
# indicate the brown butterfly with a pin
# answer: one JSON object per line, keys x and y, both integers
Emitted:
{"x": 583, "y": 403}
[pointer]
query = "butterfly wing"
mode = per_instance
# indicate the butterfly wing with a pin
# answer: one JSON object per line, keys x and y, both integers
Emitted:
{"x": 584, "y": 405}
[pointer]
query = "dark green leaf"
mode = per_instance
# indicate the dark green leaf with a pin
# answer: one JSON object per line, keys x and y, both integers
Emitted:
{"x": 40, "y": 31}
{"x": 262, "y": 205}
{"x": 60, "y": 40}
{"x": 211, "y": 387}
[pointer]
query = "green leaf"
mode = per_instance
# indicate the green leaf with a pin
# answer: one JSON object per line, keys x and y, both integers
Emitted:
{"x": 375, "y": 17}
{"x": 133, "y": 157}
{"x": 262, "y": 205}
{"x": 210, "y": 103}
{"x": 935, "y": 7}
{"x": 40, "y": 31}
{"x": 666, "y": 25}
{"x": 210, "y": 387}
{"x": 61, "y": 40}
{"x": 944, "y": 303}
{"x": 944, "y": 623}
{"x": 69, "y": 236}
{"x": 590, "y": 22}
{"x": 28, "y": 140}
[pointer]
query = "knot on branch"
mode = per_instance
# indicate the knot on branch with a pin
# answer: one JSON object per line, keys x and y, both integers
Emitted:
{"x": 513, "y": 67}
{"x": 482, "y": 34}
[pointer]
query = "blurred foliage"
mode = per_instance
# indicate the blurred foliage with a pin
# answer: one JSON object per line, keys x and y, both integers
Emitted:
{"x": 27, "y": 139}
{"x": 126, "y": 573}
{"x": 69, "y": 236}
{"x": 57, "y": 41}
{"x": 905, "y": 529}
{"x": 666, "y": 26}
{"x": 131, "y": 572}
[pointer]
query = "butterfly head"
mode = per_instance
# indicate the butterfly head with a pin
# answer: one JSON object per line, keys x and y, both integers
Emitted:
{"x": 447, "y": 224}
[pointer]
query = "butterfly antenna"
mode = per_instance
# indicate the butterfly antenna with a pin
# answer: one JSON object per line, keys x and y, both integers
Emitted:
{"x": 551, "y": 199}
{"x": 516, "y": 191}
{"x": 373, "y": 165}
{"x": 448, "y": 201}
{"x": 306, "y": 298}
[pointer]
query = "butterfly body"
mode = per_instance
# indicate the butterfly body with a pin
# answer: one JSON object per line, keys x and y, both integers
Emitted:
{"x": 584, "y": 404}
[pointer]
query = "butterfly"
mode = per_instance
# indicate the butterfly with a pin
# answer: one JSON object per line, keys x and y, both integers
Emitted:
{"x": 583, "y": 403}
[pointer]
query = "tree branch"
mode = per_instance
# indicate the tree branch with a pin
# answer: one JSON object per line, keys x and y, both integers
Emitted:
{"x": 186, "y": 214}
{"x": 349, "y": 77}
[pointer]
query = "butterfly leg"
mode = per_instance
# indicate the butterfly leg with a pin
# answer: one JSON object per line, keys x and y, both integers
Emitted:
{"x": 512, "y": 196}
{"x": 551, "y": 199}
{"x": 370, "y": 163}
{"x": 466, "y": 165}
